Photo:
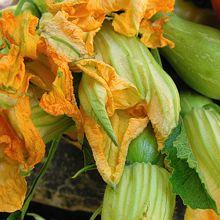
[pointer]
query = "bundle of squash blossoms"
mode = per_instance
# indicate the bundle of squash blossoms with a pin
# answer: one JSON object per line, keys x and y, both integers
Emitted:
{"x": 84, "y": 68}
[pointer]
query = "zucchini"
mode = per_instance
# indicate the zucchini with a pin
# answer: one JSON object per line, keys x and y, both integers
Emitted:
{"x": 196, "y": 55}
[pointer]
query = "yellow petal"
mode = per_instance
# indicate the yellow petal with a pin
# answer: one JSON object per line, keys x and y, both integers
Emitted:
{"x": 79, "y": 16}
{"x": 63, "y": 36}
{"x": 12, "y": 70}
{"x": 15, "y": 148}
{"x": 60, "y": 99}
{"x": 152, "y": 34}
{"x": 40, "y": 71}
{"x": 79, "y": 12}
{"x": 105, "y": 6}
{"x": 88, "y": 38}
{"x": 136, "y": 17}
{"x": 13, "y": 186}
{"x": 110, "y": 159}
{"x": 20, "y": 30}
{"x": 128, "y": 23}
{"x": 20, "y": 119}
{"x": 90, "y": 22}
{"x": 67, "y": 5}
{"x": 200, "y": 214}
{"x": 116, "y": 88}
{"x": 154, "y": 6}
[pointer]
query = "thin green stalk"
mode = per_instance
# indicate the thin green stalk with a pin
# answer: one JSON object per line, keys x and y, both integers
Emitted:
{"x": 156, "y": 56}
{"x": 96, "y": 213}
{"x": 19, "y": 7}
{"x": 36, "y": 182}
{"x": 84, "y": 169}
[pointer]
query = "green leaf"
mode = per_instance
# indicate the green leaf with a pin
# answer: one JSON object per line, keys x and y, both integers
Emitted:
{"x": 185, "y": 176}
{"x": 202, "y": 127}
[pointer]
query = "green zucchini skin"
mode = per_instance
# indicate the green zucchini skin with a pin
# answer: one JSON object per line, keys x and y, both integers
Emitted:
{"x": 196, "y": 55}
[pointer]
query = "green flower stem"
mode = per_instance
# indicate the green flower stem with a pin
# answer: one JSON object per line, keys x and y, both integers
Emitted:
{"x": 84, "y": 169}
{"x": 37, "y": 180}
{"x": 19, "y": 7}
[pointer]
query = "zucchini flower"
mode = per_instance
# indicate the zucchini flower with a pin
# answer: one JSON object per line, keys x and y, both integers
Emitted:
{"x": 201, "y": 121}
{"x": 200, "y": 214}
{"x": 118, "y": 100}
{"x": 52, "y": 75}
{"x": 24, "y": 129}
{"x": 134, "y": 17}
{"x": 109, "y": 122}
{"x": 22, "y": 134}
{"x": 25, "y": 56}
{"x": 15, "y": 44}
{"x": 21, "y": 147}
{"x": 144, "y": 192}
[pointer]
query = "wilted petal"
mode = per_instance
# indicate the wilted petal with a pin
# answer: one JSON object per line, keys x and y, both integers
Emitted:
{"x": 13, "y": 80}
{"x": 88, "y": 38}
{"x": 136, "y": 18}
{"x": 67, "y": 5}
{"x": 60, "y": 99}
{"x": 41, "y": 73}
{"x": 128, "y": 23}
{"x": 15, "y": 148}
{"x": 63, "y": 36}
{"x": 13, "y": 186}
{"x": 105, "y": 6}
{"x": 110, "y": 159}
{"x": 12, "y": 70}
{"x": 152, "y": 34}
{"x": 200, "y": 214}
{"x": 20, "y": 31}
{"x": 33, "y": 146}
{"x": 154, "y": 6}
